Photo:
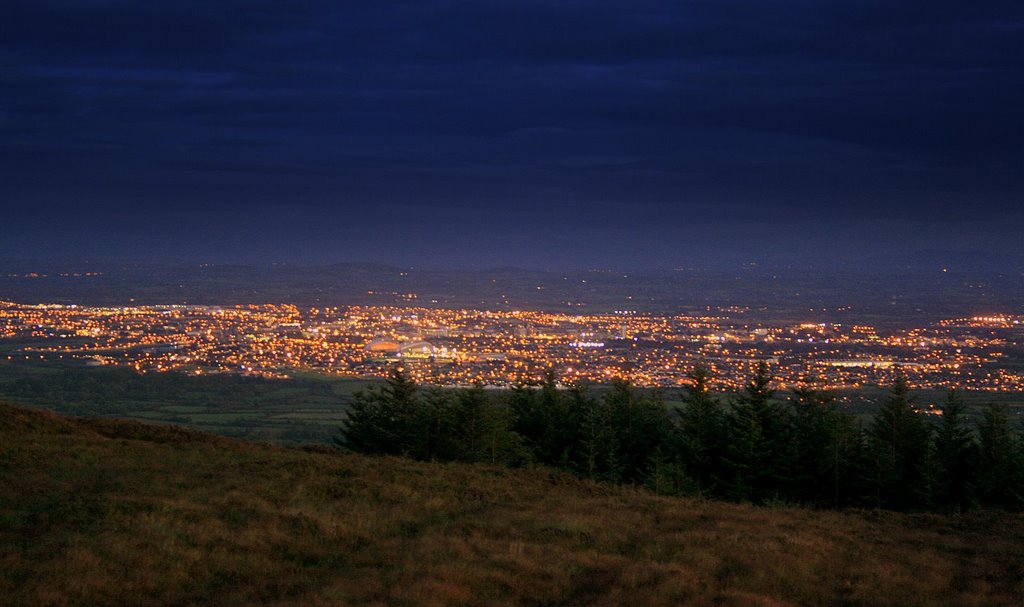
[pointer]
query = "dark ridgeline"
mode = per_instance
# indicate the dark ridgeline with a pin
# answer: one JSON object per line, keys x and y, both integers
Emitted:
{"x": 755, "y": 446}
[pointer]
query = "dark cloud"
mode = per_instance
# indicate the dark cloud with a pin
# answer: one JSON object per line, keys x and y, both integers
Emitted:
{"x": 633, "y": 121}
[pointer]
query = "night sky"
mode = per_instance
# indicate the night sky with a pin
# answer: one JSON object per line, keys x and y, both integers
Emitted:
{"x": 536, "y": 134}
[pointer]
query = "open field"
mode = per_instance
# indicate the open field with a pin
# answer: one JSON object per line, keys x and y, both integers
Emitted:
{"x": 293, "y": 411}
{"x": 110, "y": 512}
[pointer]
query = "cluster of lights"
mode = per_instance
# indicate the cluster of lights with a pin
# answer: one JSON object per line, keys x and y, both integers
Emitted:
{"x": 465, "y": 346}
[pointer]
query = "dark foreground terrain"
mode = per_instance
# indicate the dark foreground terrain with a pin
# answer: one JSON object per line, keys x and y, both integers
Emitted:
{"x": 110, "y": 512}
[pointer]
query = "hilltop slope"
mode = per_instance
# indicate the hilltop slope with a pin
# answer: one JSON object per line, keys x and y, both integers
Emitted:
{"x": 98, "y": 511}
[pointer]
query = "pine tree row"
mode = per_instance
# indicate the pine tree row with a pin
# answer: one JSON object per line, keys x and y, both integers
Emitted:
{"x": 754, "y": 446}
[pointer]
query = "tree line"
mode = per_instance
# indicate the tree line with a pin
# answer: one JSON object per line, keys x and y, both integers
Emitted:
{"x": 757, "y": 445}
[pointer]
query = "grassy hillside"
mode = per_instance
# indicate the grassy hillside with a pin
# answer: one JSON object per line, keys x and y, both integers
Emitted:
{"x": 107, "y": 512}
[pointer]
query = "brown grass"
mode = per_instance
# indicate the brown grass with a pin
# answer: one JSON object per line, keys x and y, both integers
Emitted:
{"x": 112, "y": 513}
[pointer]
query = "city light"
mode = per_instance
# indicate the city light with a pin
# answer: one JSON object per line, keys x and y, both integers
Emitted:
{"x": 502, "y": 348}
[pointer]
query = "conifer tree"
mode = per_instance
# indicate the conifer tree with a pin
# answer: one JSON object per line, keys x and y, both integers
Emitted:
{"x": 546, "y": 421}
{"x": 641, "y": 426}
{"x": 957, "y": 454}
{"x": 701, "y": 438}
{"x": 999, "y": 478}
{"x": 757, "y": 441}
{"x": 472, "y": 425}
{"x": 850, "y": 463}
{"x": 597, "y": 451}
{"x": 561, "y": 427}
{"x": 433, "y": 426}
{"x": 481, "y": 430}
{"x": 384, "y": 419}
{"x": 899, "y": 442}
{"x": 816, "y": 444}
{"x": 667, "y": 476}
{"x": 527, "y": 419}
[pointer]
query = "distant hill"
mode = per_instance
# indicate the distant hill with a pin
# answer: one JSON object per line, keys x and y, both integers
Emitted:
{"x": 873, "y": 290}
{"x": 970, "y": 262}
{"x": 108, "y": 512}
